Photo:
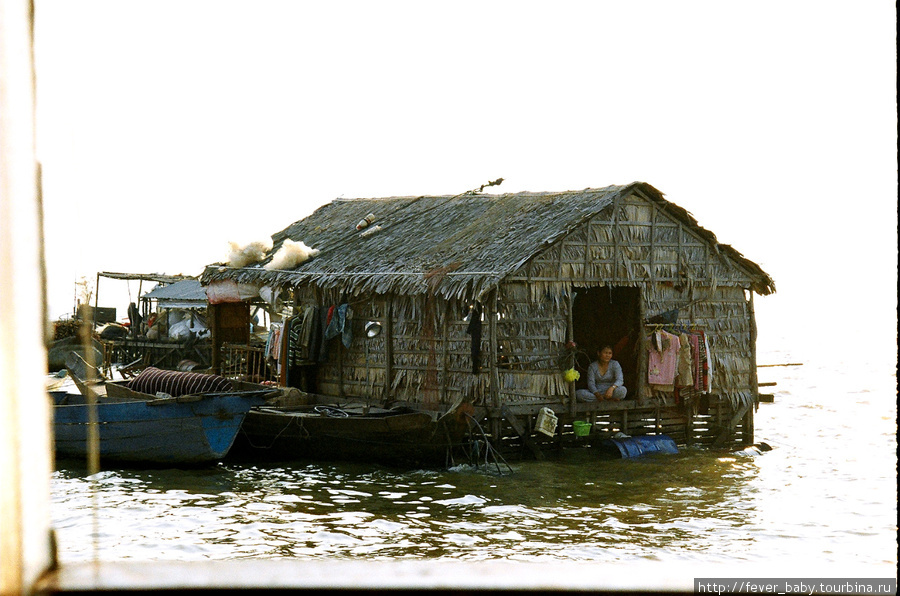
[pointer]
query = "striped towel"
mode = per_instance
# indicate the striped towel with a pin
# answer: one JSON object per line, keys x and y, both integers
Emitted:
{"x": 175, "y": 383}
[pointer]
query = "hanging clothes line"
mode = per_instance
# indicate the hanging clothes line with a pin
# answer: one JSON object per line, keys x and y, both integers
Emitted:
{"x": 675, "y": 326}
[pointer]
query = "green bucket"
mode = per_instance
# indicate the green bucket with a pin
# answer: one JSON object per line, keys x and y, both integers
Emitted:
{"x": 582, "y": 428}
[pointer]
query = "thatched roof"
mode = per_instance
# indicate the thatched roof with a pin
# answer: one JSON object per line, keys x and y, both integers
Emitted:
{"x": 456, "y": 245}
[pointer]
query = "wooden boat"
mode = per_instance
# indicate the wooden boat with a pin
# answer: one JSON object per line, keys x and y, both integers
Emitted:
{"x": 184, "y": 430}
{"x": 157, "y": 429}
{"x": 350, "y": 432}
{"x": 59, "y": 350}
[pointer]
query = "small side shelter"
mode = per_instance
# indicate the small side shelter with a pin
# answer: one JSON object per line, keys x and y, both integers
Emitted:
{"x": 184, "y": 294}
{"x": 490, "y": 299}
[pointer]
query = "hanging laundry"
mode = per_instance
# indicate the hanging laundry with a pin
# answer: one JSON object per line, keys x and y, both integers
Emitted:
{"x": 319, "y": 345}
{"x": 684, "y": 376}
{"x": 708, "y": 372}
{"x": 285, "y": 357}
{"x": 659, "y": 341}
{"x": 662, "y": 362}
{"x": 339, "y": 325}
{"x": 695, "y": 359}
{"x": 302, "y": 334}
{"x": 274, "y": 344}
{"x": 292, "y": 329}
{"x": 474, "y": 329}
{"x": 702, "y": 380}
{"x": 347, "y": 334}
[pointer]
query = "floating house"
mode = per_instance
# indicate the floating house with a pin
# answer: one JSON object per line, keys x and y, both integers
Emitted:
{"x": 500, "y": 302}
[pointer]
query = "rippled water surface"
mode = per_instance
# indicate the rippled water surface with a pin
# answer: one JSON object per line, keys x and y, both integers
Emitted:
{"x": 827, "y": 492}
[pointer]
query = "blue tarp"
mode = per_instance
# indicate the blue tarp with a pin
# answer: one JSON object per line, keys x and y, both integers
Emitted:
{"x": 638, "y": 446}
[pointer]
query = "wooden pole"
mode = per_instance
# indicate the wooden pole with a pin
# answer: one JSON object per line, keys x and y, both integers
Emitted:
{"x": 212, "y": 312}
{"x": 570, "y": 336}
{"x": 388, "y": 331}
{"x": 754, "y": 377}
{"x": 496, "y": 420}
{"x": 340, "y": 368}
{"x": 642, "y": 349}
{"x": 445, "y": 348}
{"x": 495, "y": 372}
{"x": 615, "y": 234}
{"x": 96, "y": 303}
{"x": 25, "y": 431}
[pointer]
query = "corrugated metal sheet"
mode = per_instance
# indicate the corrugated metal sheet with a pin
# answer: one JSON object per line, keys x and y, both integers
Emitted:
{"x": 185, "y": 293}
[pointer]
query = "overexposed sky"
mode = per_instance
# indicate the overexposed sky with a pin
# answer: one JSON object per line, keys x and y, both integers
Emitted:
{"x": 168, "y": 128}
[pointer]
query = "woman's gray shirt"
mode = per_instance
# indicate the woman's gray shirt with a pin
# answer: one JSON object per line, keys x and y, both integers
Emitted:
{"x": 613, "y": 376}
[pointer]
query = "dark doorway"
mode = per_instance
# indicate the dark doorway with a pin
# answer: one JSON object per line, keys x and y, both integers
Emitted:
{"x": 608, "y": 315}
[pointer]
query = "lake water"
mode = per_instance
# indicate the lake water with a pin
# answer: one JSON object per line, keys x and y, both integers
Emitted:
{"x": 826, "y": 494}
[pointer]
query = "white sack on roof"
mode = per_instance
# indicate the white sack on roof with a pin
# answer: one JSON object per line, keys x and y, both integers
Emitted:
{"x": 290, "y": 255}
{"x": 241, "y": 256}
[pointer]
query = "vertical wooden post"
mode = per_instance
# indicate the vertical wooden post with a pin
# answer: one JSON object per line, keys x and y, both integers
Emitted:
{"x": 212, "y": 314}
{"x": 615, "y": 233}
{"x": 26, "y": 547}
{"x": 494, "y": 339}
{"x": 96, "y": 303}
{"x": 388, "y": 331}
{"x": 284, "y": 357}
{"x": 445, "y": 348}
{"x": 588, "y": 225}
{"x": 689, "y": 424}
{"x": 754, "y": 378}
{"x": 340, "y": 368}
{"x": 490, "y": 313}
{"x": 641, "y": 377}
{"x": 680, "y": 249}
{"x": 570, "y": 336}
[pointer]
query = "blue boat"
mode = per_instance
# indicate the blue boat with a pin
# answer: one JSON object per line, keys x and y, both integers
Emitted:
{"x": 162, "y": 418}
{"x": 184, "y": 430}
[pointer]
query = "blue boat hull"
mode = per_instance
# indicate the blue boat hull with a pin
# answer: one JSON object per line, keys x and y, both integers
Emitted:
{"x": 192, "y": 431}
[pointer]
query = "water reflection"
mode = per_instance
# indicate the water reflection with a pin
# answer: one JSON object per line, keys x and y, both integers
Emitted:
{"x": 827, "y": 495}
{"x": 577, "y": 508}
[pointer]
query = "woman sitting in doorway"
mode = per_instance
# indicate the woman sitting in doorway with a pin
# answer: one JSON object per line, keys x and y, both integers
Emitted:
{"x": 604, "y": 379}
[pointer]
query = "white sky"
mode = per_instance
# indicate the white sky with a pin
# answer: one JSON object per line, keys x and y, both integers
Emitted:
{"x": 167, "y": 129}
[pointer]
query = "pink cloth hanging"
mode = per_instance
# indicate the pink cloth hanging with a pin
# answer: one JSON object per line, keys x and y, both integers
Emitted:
{"x": 662, "y": 362}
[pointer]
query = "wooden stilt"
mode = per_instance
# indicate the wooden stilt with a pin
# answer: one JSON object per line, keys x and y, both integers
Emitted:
{"x": 523, "y": 433}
